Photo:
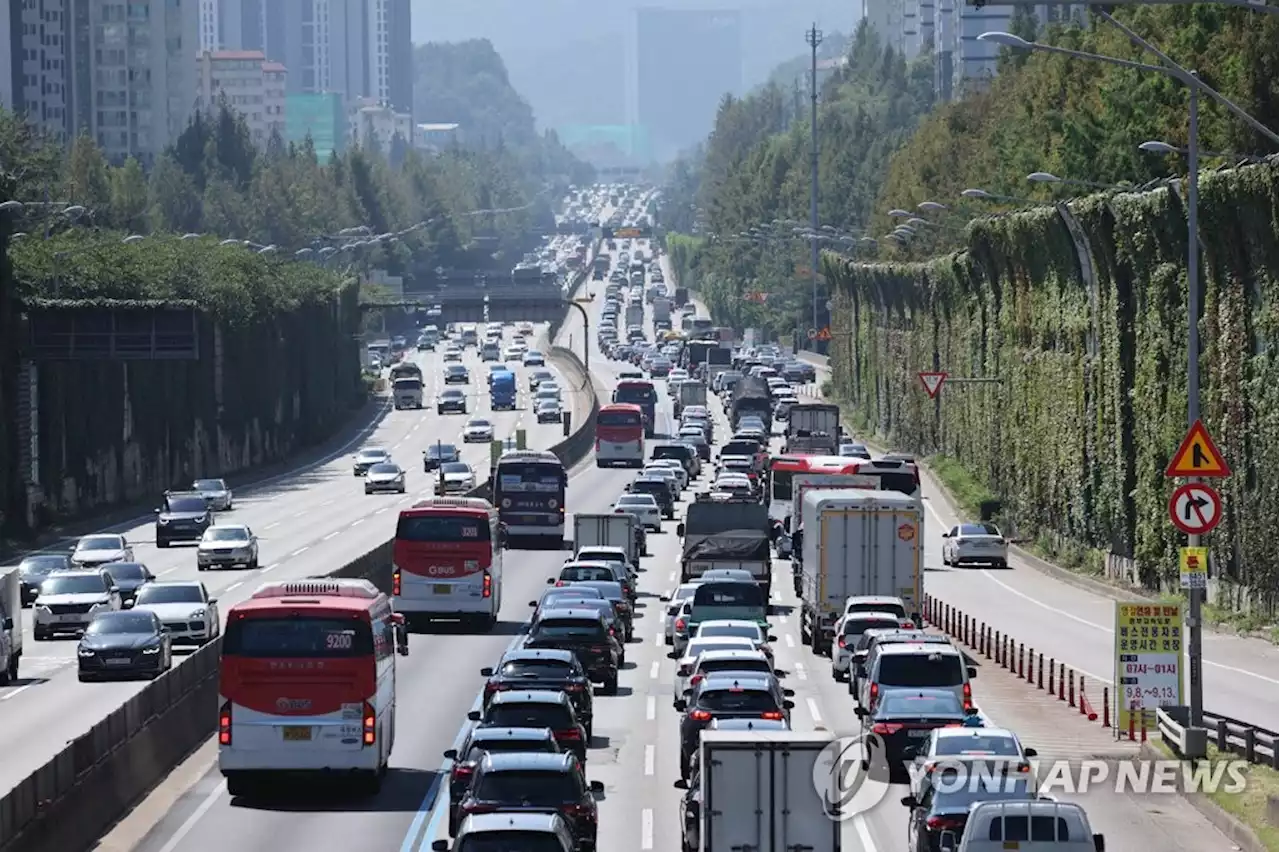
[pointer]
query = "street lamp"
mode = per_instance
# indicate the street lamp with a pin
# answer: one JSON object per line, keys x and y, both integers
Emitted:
{"x": 898, "y": 213}
{"x": 1157, "y": 147}
{"x": 932, "y": 207}
{"x": 1049, "y": 177}
{"x": 133, "y": 238}
{"x": 11, "y": 206}
{"x": 192, "y": 236}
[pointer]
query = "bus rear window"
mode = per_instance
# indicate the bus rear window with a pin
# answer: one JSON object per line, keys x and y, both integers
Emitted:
{"x": 442, "y": 528}
{"x": 619, "y": 418}
{"x": 635, "y": 394}
{"x": 275, "y": 638}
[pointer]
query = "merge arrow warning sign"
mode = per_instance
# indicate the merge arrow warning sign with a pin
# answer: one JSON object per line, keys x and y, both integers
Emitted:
{"x": 932, "y": 382}
{"x": 1198, "y": 455}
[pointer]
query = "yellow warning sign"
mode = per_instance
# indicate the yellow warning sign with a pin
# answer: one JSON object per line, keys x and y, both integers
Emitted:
{"x": 824, "y": 334}
{"x": 1193, "y": 567}
{"x": 1198, "y": 455}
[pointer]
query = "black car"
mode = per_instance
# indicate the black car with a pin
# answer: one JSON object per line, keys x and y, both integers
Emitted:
{"x": 902, "y": 720}
{"x": 33, "y": 570}
{"x": 536, "y": 708}
{"x": 451, "y": 400}
{"x": 583, "y": 632}
{"x": 128, "y": 577}
{"x": 944, "y": 806}
{"x": 456, "y": 374}
{"x": 736, "y": 696}
{"x": 661, "y": 491}
{"x": 482, "y": 741}
{"x": 616, "y": 594}
{"x": 438, "y": 454}
{"x": 683, "y": 453}
{"x": 184, "y": 516}
{"x": 543, "y": 668}
{"x": 122, "y": 644}
{"x": 540, "y": 783}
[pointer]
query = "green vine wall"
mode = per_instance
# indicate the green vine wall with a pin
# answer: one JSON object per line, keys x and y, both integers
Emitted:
{"x": 1092, "y": 398}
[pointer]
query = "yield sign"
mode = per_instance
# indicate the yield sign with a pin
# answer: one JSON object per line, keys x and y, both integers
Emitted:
{"x": 1195, "y": 508}
{"x": 932, "y": 382}
{"x": 1198, "y": 455}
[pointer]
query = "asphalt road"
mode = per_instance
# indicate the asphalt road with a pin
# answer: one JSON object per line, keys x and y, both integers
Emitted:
{"x": 1075, "y": 626}
{"x": 310, "y": 522}
{"x": 635, "y": 748}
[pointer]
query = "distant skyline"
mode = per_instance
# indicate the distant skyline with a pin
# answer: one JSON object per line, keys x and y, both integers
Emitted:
{"x": 576, "y": 63}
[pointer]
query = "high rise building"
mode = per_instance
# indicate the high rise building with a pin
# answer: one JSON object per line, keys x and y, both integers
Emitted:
{"x": 35, "y": 79}
{"x": 685, "y": 62}
{"x": 249, "y": 84}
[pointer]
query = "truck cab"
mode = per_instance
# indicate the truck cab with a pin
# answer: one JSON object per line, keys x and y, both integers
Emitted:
{"x": 502, "y": 390}
{"x": 1041, "y": 825}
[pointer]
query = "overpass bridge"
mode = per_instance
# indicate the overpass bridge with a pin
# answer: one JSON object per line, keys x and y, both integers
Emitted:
{"x": 484, "y": 296}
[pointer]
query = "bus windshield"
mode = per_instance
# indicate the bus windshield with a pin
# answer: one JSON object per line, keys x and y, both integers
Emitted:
{"x": 636, "y": 393}
{"x": 457, "y": 529}
{"x": 535, "y": 477}
{"x": 295, "y": 637}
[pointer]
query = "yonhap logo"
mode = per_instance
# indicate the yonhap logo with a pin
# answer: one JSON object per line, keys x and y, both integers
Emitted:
{"x": 851, "y": 775}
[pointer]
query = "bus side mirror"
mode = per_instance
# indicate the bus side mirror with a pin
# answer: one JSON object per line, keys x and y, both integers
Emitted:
{"x": 402, "y": 633}
{"x": 680, "y": 529}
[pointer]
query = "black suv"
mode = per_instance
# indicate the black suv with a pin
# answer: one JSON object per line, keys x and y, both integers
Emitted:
{"x": 543, "y": 668}
{"x": 184, "y": 516}
{"x": 661, "y": 491}
{"x": 536, "y": 708}
{"x": 482, "y": 741}
{"x": 584, "y": 632}
{"x": 538, "y": 783}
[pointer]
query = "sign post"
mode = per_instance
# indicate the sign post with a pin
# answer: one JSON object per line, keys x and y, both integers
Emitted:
{"x": 932, "y": 382}
{"x": 1148, "y": 661}
{"x": 1195, "y": 509}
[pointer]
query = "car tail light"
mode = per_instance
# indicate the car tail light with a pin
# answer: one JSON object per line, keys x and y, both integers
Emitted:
{"x": 679, "y": 624}
{"x": 370, "y": 724}
{"x": 875, "y": 694}
{"x": 842, "y": 642}
{"x": 943, "y": 823}
{"x": 569, "y": 734}
{"x": 224, "y": 724}
{"x": 700, "y": 716}
{"x": 775, "y": 715}
{"x": 968, "y": 696}
{"x": 395, "y": 581}
{"x": 487, "y": 591}
{"x": 907, "y": 624}
{"x": 478, "y": 808}
{"x": 597, "y": 649}
{"x": 463, "y": 770}
{"x": 579, "y": 811}
{"x": 884, "y": 729}
{"x": 561, "y": 583}
{"x": 572, "y": 687}
{"x": 695, "y": 680}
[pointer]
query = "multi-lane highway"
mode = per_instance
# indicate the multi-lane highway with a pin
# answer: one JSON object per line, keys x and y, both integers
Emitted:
{"x": 635, "y": 748}
{"x": 310, "y": 522}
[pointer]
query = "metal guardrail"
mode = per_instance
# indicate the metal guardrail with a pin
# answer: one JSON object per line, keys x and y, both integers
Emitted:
{"x": 1227, "y": 735}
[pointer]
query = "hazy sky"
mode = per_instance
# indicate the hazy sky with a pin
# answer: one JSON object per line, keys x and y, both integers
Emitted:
{"x": 569, "y": 58}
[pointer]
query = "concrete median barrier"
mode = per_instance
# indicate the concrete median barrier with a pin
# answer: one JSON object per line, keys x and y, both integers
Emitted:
{"x": 73, "y": 799}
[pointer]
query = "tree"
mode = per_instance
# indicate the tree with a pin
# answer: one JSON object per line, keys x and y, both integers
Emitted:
{"x": 174, "y": 197}
{"x": 85, "y": 179}
{"x": 129, "y": 197}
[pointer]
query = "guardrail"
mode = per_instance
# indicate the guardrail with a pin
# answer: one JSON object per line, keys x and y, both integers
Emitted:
{"x": 1254, "y": 744}
{"x": 69, "y": 802}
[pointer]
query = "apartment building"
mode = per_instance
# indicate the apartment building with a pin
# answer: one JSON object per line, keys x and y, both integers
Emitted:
{"x": 34, "y": 82}
{"x": 248, "y": 83}
{"x": 369, "y": 117}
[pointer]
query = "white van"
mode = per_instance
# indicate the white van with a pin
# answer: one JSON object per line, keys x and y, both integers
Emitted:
{"x": 490, "y": 351}
{"x": 1042, "y": 825}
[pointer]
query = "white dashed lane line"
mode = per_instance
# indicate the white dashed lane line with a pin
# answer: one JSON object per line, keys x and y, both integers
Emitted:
{"x": 299, "y": 551}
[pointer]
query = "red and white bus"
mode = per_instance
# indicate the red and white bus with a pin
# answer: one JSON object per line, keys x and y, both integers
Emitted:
{"x": 307, "y": 684}
{"x": 447, "y": 561}
{"x": 884, "y": 474}
{"x": 620, "y": 435}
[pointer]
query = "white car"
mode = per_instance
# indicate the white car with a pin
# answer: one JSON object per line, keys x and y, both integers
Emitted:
{"x": 452, "y": 353}
{"x": 69, "y": 600}
{"x": 674, "y": 465}
{"x": 216, "y": 492}
{"x": 455, "y": 478}
{"x": 534, "y": 358}
{"x": 94, "y": 550}
{"x": 673, "y": 481}
{"x": 512, "y": 353}
{"x": 385, "y": 477}
{"x": 643, "y": 506}
{"x": 674, "y": 602}
{"x": 477, "y": 429}
{"x": 228, "y": 545}
{"x": 183, "y": 607}
{"x": 975, "y": 544}
{"x": 687, "y": 652}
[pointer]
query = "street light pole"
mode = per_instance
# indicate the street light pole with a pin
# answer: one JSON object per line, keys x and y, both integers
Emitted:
{"x": 1194, "y": 638}
{"x": 814, "y": 38}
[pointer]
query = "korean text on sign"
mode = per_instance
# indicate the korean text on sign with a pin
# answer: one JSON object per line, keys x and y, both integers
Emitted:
{"x": 1148, "y": 659}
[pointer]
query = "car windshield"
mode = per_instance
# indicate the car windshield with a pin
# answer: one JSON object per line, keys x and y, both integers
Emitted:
{"x": 737, "y": 700}
{"x": 893, "y": 607}
{"x": 442, "y": 528}
{"x": 121, "y": 622}
{"x": 442, "y": 451}
{"x": 983, "y": 788}
{"x": 507, "y": 746}
{"x": 747, "y": 631}
{"x": 452, "y": 394}
{"x": 483, "y": 424}
{"x": 103, "y": 542}
{"x": 210, "y": 485}
{"x": 372, "y": 455}
{"x": 698, "y": 647}
{"x": 527, "y": 714}
{"x": 638, "y": 500}
{"x": 918, "y": 704}
{"x": 527, "y": 788}
{"x": 161, "y": 594}
{"x": 537, "y": 669}
{"x": 1000, "y": 745}
{"x": 127, "y": 571}
{"x": 568, "y": 628}
{"x": 455, "y": 467}
{"x": 226, "y": 534}
{"x": 978, "y": 529}
{"x": 37, "y": 565}
{"x": 385, "y": 467}
{"x": 921, "y": 670}
{"x": 81, "y": 585}
{"x": 707, "y": 667}
{"x": 858, "y": 626}
{"x": 186, "y": 504}
{"x": 298, "y": 637}
{"x": 728, "y": 594}
{"x": 569, "y": 593}
{"x": 585, "y": 572}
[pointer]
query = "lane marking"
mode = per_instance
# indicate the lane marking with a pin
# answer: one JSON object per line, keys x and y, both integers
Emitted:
{"x": 791, "y": 642}
{"x": 233, "y": 587}
{"x": 813, "y": 709}
{"x": 650, "y": 708}
{"x": 17, "y": 691}
{"x": 864, "y": 833}
{"x": 270, "y": 567}
{"x": 357, "y": 522}
{"x": 328, "y": 503}
{"x": 649, "y": 757}
{"x": 383, "y": 509}
{"x": 659, "y": 638}
{"x": 185, "y": 829}
{"x": 653, "y": 670}
{"x": 800, "y": 672}
{"x": 333, "y": 534}
{"x": 300, "y": 551}
{"x": 272, "y": 524}
{"x": 646, "y": 829}
{"x": 671, "y": 578}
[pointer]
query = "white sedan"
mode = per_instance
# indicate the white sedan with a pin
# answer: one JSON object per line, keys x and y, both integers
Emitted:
{"x": 534, "y": 358}
{"x": 452, "y": 353}
{"x": 477, "y": 429}
{"x": 970, "y": 544}
{"x": 674, "y": 602}
{"x": 682, "y": 475}
{"x": 183, "y": 607}
{"x": 643, "y": 506}
{"x": 228, "y": 545}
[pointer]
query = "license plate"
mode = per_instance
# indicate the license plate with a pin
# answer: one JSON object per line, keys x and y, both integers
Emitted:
{"x": 918, "y": 734}
{"x": 442, "y": 588}
{"x": 297, "y": 733}
{"x": 117, "y": 662}
{"x": 69, "y": 619}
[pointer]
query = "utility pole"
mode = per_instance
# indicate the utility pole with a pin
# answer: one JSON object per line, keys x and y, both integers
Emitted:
{"x": 814, "y": 38}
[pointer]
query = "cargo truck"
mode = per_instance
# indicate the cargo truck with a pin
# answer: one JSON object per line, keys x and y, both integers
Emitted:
{"x": 690, "y": 392}
{"x": 10, "y": 624}
{"x": 620, "y": 530}
{"x": 789, "y": 510}
{"x": 856, "y": 542}
{"x": 502, "y": 390}
{"x": 662, "y": 311}
{"x": 635, "y": 315}
{"x": 681, "y": 296}
{"x": 756, "y": 790}
{"x": 813, "y": 429}
{"x": 726, "y": 534}
{"x": 750, "y": 396}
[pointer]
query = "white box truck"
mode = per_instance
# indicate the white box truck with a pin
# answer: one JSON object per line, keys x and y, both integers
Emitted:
{"x": 609, "y": 531}
{"x": 10, "y": 624}
{"x": 690, "y": 392}
{"x": 758, "y": 791}
{"x": 857, "y": 542}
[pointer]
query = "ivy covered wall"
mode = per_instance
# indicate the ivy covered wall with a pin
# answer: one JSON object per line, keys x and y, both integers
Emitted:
{"x": 1092, "y": 362}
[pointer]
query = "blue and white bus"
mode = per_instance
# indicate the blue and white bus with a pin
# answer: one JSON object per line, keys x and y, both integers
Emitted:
{"x": 529, "y": 490}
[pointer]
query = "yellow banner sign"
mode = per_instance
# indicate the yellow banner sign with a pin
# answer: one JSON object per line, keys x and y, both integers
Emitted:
{"x": 1148, "y": 661}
